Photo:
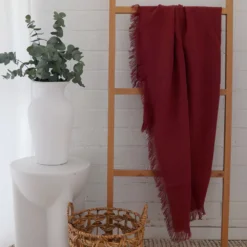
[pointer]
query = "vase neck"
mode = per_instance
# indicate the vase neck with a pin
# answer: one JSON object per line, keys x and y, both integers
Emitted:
{"x": 47, "y": 89}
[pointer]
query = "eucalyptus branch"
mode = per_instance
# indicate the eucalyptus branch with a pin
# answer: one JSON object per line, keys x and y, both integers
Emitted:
{"x": 36, "y": 34}
{"x": 24, "y": 64}
{"x": 49, "y": 60}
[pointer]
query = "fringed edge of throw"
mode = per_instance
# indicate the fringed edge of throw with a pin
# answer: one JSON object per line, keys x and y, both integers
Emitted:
{"x": 197, "y": 214}
{"x": 175, "y": 236}
{"x": 138, "y": 81}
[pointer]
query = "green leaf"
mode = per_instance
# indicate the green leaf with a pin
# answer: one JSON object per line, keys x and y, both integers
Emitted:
{"x": 63, "y": 65}
{"x": 56, "y": 16}
{"x": 76, "y": 54}
{"x": 36, "y": 50}
{"x": 62, "y": 15}
{"x": 70, "y": 48}
{"x": 62, "y": 56}
{"x": 2, "y": 57}
{"x": 56, "y": 68}
{"x": 19, "y": 73}
{"x": 70, "y": 76}
{"x": 59, "y": 15}
{"x": 35, "y": 40}
{"x": 68, "y": 56}
{"x": 28, "y": 18}
{"x": 13, "y": 73}
{"x": 7, "y": 61}
{"x": 31, "y": 72}
{"x": 59, "y": 23}
{"x": 36, "y": 34}
{"x": 78, "y": 80}
{"x": 37, "y": 29}
{"x": 43, "y": 73}
{"x": 7, "y": 76}
{"x": 57, "y": 43}
{"x": 78, "y": 68}
{"x": 21, "y": 67}
{"x": 65, "y": 73}
{"x": 53, "y": 40}
{"x": 52, "y": 54}
{"x": 59, "y": 32}
{"x": 6, "y": 58}
{"x": 77, "y": 57}
{"x": 30, "y": 23}
{"x": 12, "y": 57}
{"x": 53, "y": 78}
{"x": 41, "y": 64}
{"x": 31, "y": 26}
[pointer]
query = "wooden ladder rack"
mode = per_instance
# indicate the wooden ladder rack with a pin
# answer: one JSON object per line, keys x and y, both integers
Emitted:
{"x": 227, "y": 92}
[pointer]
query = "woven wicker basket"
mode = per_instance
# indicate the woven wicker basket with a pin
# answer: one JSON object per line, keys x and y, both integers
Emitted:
{"x": 108, "y": 227}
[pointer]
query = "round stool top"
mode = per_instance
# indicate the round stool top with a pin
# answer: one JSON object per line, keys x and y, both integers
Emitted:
{"x": 28, "y": 165}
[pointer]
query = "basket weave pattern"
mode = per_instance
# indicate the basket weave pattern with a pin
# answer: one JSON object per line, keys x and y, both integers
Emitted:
{"x": 109, "y": 227}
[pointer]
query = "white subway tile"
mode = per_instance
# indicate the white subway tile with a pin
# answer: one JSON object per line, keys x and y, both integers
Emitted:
{"x": 221, "y": 118}
{"x": 128, "y": 102}
{"x": 96, "y": 192}
{"x": 240, "y": 60}
{"x": 87, "y": 20}
{"x": 237, "y": 194}
{"x": 124, "y": 137}
{"x": 131, "y": 193}
{"x": 240, "y": 37}
{"x": 239, "y": 136}
{"x": 95, "y": 155}
{"x": 239, "y": 101}
{"x": 240, "y": 5}
{"x": 97, "y": 80}
{"x": 219, "y": 141}
{"x": 65, "y": 5}
{"x": 98, "y": 174}
{"x": 214, "y": 193}
{"x": 130, "y": 157}
{"x": 238, "y": 175}
{"x": 218, "y": 157}
{"x": 89, "y": 99}
{"x": 122, "y": 40}
{"x": 90, "y": 118}
{"x": 122, "y": 61}
{"x": 238, "y": 211}
{"x": 239, "y": 155}
{"x": 239, "y": 119}
{"x": 129, "y": 118}
{"x": 123, "y": 79}
{"x": 89, "y": 137}
{"x": 240, "y": 79}
{"x": 96, "y": 60}
{"x": 88, "y": 40}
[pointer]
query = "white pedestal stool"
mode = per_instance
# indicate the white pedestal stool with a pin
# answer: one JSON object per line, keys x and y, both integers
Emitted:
{"x": 41, "y": 195}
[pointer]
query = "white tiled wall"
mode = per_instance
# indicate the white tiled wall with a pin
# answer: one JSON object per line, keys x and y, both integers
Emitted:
{"x": 87, "y": 27}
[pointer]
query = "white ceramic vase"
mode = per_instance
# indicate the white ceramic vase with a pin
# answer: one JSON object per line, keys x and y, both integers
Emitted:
{"x": 51, "y": 120}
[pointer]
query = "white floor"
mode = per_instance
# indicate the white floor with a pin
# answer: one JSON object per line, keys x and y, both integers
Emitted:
{"x": 192, "y": 243}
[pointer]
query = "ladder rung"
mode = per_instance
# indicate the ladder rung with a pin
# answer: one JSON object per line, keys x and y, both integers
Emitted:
{"x": 148, "y": 173}
{"x": 130, "y": 10}
{"x": 134, "y": 91}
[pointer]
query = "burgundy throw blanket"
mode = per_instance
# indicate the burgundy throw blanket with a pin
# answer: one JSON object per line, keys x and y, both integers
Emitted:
{"x": 176, "y": 60}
